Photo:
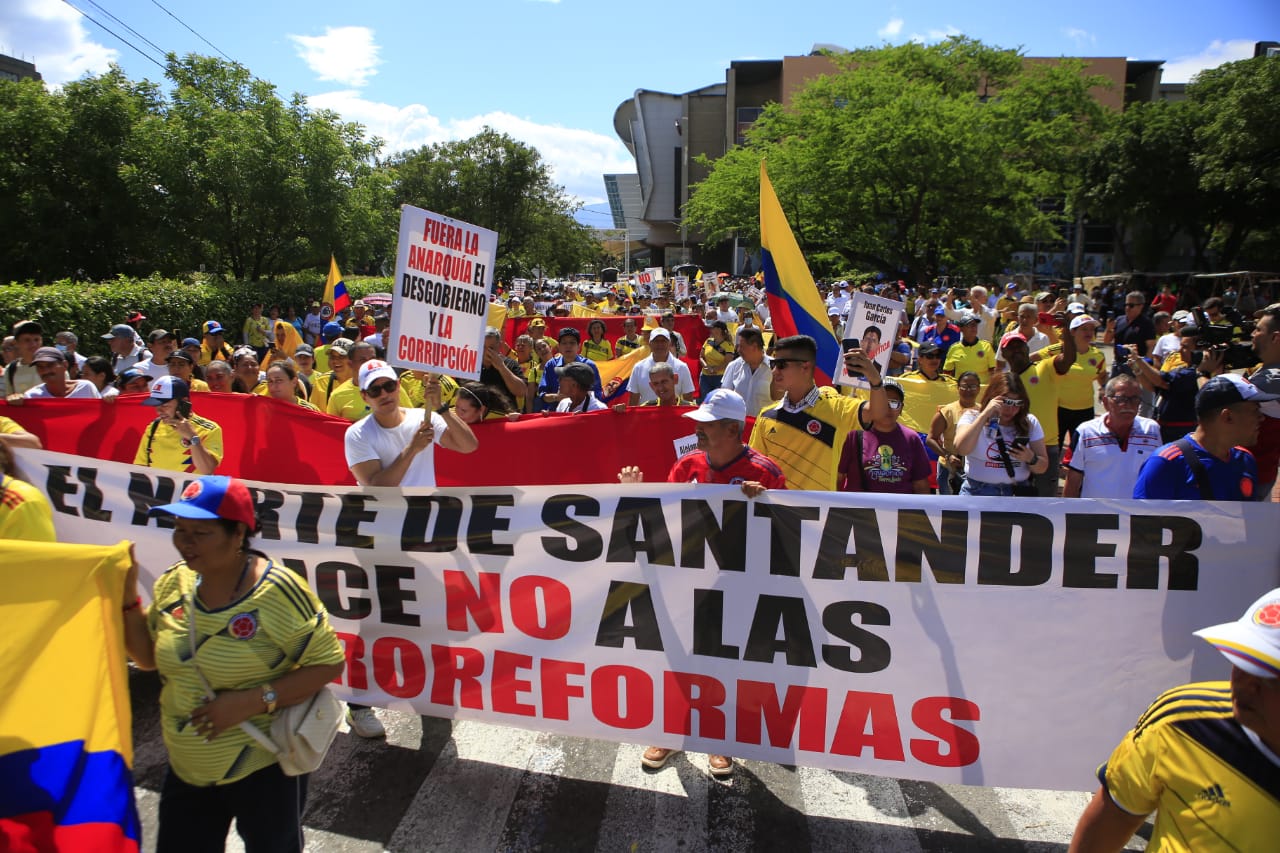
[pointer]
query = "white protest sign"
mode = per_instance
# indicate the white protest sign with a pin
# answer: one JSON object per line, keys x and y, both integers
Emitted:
{"x": 644, "y": 283}
{"x": 444, "y": 275}
{"x": 655, "y": 272}
{"x": 710, "y": 283}
{"x": 688, "y": 444}
{"x": 981, "y": 641}
{"x": 681, "y": 284}
{"x": 873, "y": 326}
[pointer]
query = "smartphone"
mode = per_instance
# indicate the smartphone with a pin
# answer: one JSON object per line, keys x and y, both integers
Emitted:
{"x": 1021, "y": 442}
{"x": 184, "y": 408}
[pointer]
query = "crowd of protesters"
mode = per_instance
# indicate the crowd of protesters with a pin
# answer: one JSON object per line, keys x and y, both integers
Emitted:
{"x": 1023, "y": 375}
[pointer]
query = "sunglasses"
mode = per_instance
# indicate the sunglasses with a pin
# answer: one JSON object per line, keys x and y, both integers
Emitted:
{"x": 1015, "y": 404}
{"x": 379, "y": 388}
{"x": 1125, "y": 399}
{"x": 969, "y": 387}
{"x": 783, "y": 362}
{"x": 895, "y": 404}
{"x": 931, "y": 355}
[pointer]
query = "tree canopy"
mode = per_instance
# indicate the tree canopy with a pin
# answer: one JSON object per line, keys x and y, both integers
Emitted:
{"x": 106, "y": 176}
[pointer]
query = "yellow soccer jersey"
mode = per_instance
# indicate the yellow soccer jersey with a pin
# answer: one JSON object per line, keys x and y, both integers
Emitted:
{"x": 1212, "y": 785}
{"x": 980, "y": 358}
{"x": 602, "y": 351}
{"x": 24, "y": 512}
{"x": 1076, "y": 388}
{"x": 1042, "y": 381}
{"x": 162, "y": 447}
{"x": 412, "y": 385}
{"x": 807, "y": 444}
{"x": 277, "y": 627}
{"x": 345, "y": 401}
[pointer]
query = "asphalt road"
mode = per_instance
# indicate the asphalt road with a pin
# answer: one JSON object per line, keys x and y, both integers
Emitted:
{"x": 436, "y": 785}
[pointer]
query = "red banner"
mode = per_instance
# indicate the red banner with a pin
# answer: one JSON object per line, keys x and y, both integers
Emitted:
{"x": 264, "y": 439}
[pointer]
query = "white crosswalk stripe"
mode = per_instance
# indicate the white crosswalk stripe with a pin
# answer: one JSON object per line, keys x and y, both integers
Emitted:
{"x": 461, "y": 787}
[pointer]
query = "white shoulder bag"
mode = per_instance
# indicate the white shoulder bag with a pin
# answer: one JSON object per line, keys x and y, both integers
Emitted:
{"x": 300, "y": 734}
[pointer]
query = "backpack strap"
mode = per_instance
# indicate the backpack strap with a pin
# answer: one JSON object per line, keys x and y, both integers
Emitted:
{"x": 151, "y": 437}
{"x": 1197, "y": 467}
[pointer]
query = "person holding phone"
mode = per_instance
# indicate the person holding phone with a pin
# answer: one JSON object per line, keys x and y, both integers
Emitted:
{"x": 178, "y": 439}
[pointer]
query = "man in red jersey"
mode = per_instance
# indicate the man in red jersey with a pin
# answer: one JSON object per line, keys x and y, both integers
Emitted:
{"x": 722, "y": 458}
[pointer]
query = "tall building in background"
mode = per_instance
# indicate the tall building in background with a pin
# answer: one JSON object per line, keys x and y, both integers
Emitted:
{"x": 667, "y": 132}
{"x": 12, "y": 68}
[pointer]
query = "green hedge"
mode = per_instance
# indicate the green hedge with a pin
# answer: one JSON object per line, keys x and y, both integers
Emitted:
{"x": 179, "y": 305}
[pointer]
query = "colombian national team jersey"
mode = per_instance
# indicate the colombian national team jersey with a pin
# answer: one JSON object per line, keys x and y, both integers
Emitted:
{"x": 24, "y": 512}
{"x": 278, "y": 626}
{"x": 1217, "y": 787}
{"x": 162, "y": 447}
{"x": 807, "y": 444}
{"x": 748, "y": 466}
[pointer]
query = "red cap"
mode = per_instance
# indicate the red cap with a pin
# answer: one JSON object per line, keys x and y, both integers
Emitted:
{"x": 1012, "y": 336}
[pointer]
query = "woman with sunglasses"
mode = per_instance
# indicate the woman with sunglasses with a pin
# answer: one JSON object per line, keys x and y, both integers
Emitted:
{"x": 1003, "y": 444}
{"x": 887, "y": 457}
{"x": 942, "y": 433}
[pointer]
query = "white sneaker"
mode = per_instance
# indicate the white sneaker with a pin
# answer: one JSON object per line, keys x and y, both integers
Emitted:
{"x": 365, "y": 723}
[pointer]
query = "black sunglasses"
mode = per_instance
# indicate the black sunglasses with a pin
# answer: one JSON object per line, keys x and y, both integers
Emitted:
{"x": 379, "y": 388}
{"x": 783, "y": 362}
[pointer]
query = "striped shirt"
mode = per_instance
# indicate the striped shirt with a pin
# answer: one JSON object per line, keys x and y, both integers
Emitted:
{"x": 1212, "y": 783}
{"x": 278, "y": 626}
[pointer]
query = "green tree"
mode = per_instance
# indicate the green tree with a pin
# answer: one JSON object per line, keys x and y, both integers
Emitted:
{"x": 1237, "y": 151}
{"x": 499, "y": 183}
{"x": 900, "y": 162}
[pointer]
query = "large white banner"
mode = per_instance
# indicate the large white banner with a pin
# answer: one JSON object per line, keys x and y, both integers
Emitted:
{"x": 982, "y": 641}
{"x": 444, "y": 275}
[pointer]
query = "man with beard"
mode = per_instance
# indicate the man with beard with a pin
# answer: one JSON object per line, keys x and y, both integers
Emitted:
{"x": 721, "y": 458}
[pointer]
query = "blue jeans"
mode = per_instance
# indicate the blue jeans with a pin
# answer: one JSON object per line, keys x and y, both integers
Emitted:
{"x": 267, "y": 807}
{"x": 707, "y": 384}
{"x": 979, "y": 489}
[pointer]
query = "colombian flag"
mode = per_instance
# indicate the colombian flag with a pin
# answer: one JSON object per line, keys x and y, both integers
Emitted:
{"x": 335, "y": 290}
{"x": 794, "y": 302}
{"x": 65, "y": 743}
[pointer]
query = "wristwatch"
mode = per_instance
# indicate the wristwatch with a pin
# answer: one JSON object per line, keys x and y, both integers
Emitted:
{"x": 194, "y": 441}
{"x": 269, "y": 698}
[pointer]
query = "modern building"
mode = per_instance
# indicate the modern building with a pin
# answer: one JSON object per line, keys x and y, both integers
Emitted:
{"x": 666, "y": 133}
{"x": 12, "y": 68}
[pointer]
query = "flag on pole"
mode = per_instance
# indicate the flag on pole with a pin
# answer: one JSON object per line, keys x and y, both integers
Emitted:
{"x": 795, "y": 305}
{"x": 336, "y": 297}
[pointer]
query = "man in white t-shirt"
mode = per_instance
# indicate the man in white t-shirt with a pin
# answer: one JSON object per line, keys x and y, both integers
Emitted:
{"x": 1168, "y": 341}
{"x": 395, "y": 446}
{"x": 660, "y": 349}
{"x": 51, "y": 364}
{"x": 1110, "y": 450}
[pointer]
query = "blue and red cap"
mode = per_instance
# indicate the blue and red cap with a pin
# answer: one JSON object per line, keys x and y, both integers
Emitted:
{"x": 213, "y": 497}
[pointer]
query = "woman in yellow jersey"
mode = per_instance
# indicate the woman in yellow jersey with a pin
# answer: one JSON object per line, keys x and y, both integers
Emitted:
{"x": 942, "y": 433}
{"x": 248, "y": 379}
{"x": 283, "y": 385}
{"x": 595, "y": 347}
{"x": 717, "y": 351}
{"x": 262, "y": 641}
{"x": 1076, "y": 394}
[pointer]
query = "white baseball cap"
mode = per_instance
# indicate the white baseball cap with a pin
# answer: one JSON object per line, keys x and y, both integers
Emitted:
{"x": 659, "y": 333}
{"x": 1082, "y": 320}
{"x": 1252, "y": 642}
{"x": 720, "y": 405}
{"x": 373, "y": 370}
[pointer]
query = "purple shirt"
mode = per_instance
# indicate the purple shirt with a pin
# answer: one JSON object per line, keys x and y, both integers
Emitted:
{"x": 891, "y": 461}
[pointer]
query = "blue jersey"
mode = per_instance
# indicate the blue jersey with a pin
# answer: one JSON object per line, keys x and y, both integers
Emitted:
{"x": 1167, "y": 476}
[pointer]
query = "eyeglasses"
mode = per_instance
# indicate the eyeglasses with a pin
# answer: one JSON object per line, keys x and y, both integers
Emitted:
{"x": 783, "y": 362}
{"x": 1124, "y": 399}
{"x": 379, "y": 388}
{"x": 1133, "y": 305}
{"x": 1012, "y": 403}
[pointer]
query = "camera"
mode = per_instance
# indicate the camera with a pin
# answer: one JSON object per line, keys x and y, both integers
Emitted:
{"x": 1122, "y": 353}
{"x": 1235, "y": 354}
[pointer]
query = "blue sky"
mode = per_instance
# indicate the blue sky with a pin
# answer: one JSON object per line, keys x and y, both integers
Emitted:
{"x": 552, "y": 72}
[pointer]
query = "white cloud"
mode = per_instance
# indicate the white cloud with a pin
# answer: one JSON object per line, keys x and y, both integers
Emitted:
{"x": 52, "y": 35}
{"x": 346, "y": 55}
{"x": 891, "y": 29}
{"x": 1182, "y": 69}
{"x": 578, "y": 158}
{"x": 935, "y": 35}
{"x": 1082, "y": 38}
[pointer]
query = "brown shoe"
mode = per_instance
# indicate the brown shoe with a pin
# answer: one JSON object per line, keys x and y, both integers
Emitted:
{"x": 720, "y": 765}
{"x": 655, "y": 757}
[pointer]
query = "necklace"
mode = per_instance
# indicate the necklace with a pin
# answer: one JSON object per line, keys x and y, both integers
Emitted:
{"x": 248, "y": 561}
